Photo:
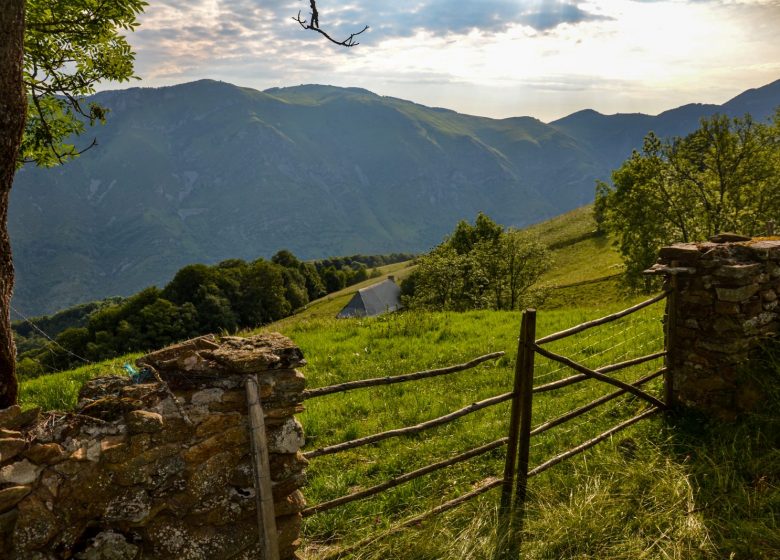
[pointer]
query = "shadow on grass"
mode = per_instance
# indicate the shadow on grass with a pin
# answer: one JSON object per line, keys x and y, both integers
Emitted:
{"x": 734, "y": 469}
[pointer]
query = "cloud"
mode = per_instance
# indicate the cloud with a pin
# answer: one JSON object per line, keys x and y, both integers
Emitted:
{"x": 444, "y": 17}
{"x": 528, "y": 53}
{"x": 551, "y": 14}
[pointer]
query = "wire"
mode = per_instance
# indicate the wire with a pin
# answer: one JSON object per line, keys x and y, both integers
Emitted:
{"x": 47, "y": 337}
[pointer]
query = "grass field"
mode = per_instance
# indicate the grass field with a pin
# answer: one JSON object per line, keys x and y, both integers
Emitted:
{"x": 680, "y": 489}
{"x": 667, "y": 488}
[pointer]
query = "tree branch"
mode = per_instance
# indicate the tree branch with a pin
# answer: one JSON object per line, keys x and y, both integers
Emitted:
{"x": 313, "y": 24}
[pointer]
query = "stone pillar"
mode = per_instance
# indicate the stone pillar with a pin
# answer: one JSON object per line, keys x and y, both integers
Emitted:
{"x": 153, "y": 472}
{"x": 726, "y": 305}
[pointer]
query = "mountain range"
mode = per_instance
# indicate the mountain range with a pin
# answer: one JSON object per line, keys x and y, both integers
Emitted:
{"x": 206, "y": 171}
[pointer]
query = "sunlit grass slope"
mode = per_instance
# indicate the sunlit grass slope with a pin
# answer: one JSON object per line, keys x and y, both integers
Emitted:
{"x": 683, "y": 489}
{"x": 678, "y": 488}
{"x": 585, "y": 272}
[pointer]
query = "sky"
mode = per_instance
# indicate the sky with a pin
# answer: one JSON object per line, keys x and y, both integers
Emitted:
{"x": 497, "y": 58}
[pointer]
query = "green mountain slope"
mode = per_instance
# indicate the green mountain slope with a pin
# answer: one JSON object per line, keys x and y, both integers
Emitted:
{"x": 205, "y": 171}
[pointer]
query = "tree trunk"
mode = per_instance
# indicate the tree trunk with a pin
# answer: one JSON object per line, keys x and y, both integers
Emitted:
{"x": 13, "y": 106}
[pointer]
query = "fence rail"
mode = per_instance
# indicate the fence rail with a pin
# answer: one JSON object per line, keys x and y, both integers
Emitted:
{"x": 392, "y": 483}
{"x": 409, "y": 430}
{"x": 390, "y": 380}
{"x": 483, "y": 486}
{"x": 606, "y": 369}
{"x": 514, "y": 483}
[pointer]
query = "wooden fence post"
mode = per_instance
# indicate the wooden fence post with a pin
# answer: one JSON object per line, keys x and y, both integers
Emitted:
{"x": 266, "y": 515}
{"x": 506, "y": 545}
{"x": 524, "y": 436}
{"x": 669, "y": 342}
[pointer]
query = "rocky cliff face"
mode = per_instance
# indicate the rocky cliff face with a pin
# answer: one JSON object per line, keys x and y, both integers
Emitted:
{"x": 157, "y": 470}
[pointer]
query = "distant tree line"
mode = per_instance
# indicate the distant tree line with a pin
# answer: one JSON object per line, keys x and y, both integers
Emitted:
{"x": 225, "y": 297}
{"x": 724, "y": 176}
{"x": 479, "y": 266}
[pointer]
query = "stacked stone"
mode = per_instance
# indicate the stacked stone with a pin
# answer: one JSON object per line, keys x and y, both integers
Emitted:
{"x": 155, "y": 470}
{"x": 727, "y": 304}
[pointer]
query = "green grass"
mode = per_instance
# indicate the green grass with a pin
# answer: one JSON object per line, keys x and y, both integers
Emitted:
{"x": 683, "y": 490}
{"x": 59, "y": 391}
{"x": 686, "y": 489}
{"x": 678, "y": 488}
{"x": 407, "y": 342}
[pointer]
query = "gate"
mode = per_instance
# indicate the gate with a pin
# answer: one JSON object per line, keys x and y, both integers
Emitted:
{"x": 516, "y": 472}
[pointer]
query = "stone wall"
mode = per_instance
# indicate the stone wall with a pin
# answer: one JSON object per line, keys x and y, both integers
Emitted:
{"x": 726, "y": 304}
{"x": 138, "y": 474}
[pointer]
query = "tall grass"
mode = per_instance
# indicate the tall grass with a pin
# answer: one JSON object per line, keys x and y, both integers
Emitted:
{"x": 59, "y": 391}
{"x": 667, "y": 488}
{"x": 681, "y": 490}
{"x": 407, "y": 342}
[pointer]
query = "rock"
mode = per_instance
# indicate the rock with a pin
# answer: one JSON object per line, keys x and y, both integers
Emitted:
{"x": 108, "y": 545}
{"x": 284, "y": 466}
{"x": 10, "y": 448}
{"x": 738, "y": 271}
{"x": 231, "y": 437}
{"x": 143, "y": 391}
{"x": 172, "y": 538}
{"x": 131, "y": 504}
{"x": 685, "y": 252}
{"x": 258, "y": 354}
{"x": 287, "y": 438}
{"x": 186, "y": 357}
{"x": 289, "y": 528}
{"x": 206, "y": 396}
{"x": 766, "y": 249}
{"x": 7, "y": 524}
{"x": 101, "y": 387}
{"x": 111, "y": 408}
{"x": 35, "y": 526}
{"x": 174, "y": 489}
{"x": 217, "y": 423}
{"x": 287, "y": 486}
{"x": 736, "y": 295}
{"x": 143, "y": 422}
{"x": 46, "y": 453}
{"x": 12, "y": 495}
{"x": 21, "y": 472}
{"x": 8, "y": 415}
{"x": 729, "y": 237}
{"x": 13, "y": 418}
{"x": 292, "y": 503}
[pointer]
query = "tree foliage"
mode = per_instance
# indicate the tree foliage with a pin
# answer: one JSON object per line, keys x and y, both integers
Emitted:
{"x": 199, "y": 299}
{"x": 725, "y": 176}
{"x": 53, "y": 53}
{"x": 69, "y": 47}
{"x": 479, "y": 266}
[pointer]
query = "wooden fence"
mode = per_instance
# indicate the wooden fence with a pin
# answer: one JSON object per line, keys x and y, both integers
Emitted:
{"x": 514, "y": 481}
{"x": 487, "y": 485}
{"x": 517, "y": 470}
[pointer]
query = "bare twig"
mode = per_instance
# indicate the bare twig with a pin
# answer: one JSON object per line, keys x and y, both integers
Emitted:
{"x": 313, "y": 24}
{"x": 167, "y": 388}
